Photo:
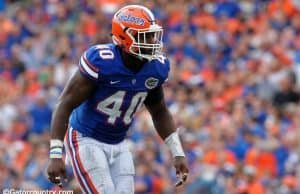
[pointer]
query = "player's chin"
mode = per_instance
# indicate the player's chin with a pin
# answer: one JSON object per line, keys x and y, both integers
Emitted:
{"x": 146, "y": 51}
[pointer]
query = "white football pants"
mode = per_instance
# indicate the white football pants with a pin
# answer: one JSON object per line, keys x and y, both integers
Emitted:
{"x": 100, "y": 167}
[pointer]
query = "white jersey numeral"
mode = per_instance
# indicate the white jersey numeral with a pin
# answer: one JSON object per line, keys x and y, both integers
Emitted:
{"x": 105, "y": 52}
{"x": 161, "y": 59}
{"x": 136, "y": 103}
{"x": 111, "y": 106}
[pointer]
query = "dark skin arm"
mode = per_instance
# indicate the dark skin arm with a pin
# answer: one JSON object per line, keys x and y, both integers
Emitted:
{"x": 77, "y": 90}
{"x": 164, "y": 125}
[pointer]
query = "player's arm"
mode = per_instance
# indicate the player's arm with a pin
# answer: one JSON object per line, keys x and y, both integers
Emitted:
{"x": 77, "y": 90}
{"x": 164, "y": 124}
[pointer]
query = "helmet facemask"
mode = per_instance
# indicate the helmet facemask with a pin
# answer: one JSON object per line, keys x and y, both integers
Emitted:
{"x": 146, "y": 43}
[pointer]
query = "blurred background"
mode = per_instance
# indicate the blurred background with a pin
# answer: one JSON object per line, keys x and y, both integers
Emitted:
{"x": 233, "y": 90}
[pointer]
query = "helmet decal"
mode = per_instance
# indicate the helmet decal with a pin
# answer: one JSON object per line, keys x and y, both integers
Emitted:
{"x": 131, "y": 19}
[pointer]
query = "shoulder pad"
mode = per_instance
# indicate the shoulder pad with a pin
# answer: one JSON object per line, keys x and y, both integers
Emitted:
{"x": 93, "y": 58}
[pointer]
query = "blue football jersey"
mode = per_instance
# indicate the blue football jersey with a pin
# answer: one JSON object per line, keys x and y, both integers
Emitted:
{"x": 107, "y": 114}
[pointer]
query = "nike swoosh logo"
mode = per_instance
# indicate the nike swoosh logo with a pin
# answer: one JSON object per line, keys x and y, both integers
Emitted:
{"x": 114, "y": 82}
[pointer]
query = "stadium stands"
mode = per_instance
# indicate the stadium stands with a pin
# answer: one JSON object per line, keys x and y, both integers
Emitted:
{"x": 234, "y": 90}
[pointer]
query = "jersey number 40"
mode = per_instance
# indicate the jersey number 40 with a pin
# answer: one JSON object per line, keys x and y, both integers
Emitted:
{"x": 111, "y": 106}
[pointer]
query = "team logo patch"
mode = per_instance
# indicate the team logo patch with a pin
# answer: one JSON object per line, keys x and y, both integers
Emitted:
{"x": 151, "y": 83}
{"x": 131, "y": 19}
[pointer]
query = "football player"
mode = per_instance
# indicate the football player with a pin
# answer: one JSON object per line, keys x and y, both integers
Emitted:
{"x": 97, "y": 105}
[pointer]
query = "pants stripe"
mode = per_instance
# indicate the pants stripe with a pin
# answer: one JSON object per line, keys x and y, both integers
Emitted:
{"x": 72, "y": 153}
{"x": 81, "y": 167}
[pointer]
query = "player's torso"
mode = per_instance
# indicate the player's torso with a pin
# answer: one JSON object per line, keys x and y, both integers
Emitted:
{"x": 108, "y": 113}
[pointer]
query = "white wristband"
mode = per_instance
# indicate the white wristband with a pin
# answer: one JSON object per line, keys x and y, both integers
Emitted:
{"x": 54, "y": 154}
{"x": 56, "y": 143}
{"x": 174, "y": 144}
{"x": 56, "y": 148}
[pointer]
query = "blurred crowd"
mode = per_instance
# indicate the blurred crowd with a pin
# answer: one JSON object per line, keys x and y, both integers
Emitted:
{"x": 234, "y": 91}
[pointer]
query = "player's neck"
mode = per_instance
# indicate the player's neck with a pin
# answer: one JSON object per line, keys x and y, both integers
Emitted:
{"x": 132, "y": 62}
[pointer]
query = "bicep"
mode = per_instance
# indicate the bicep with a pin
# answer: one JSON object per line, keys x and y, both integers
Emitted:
{"x": 77, "y": 90}
{"x": 155, "y": 100}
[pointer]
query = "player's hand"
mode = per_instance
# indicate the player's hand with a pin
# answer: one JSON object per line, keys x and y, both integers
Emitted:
{"x": 57, "y": 171}
{"x": 182, "y": 170}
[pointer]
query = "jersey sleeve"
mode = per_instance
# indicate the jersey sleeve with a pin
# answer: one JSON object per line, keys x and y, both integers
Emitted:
{"x": 89, "y": 64}
{"x": 165, "y": 64}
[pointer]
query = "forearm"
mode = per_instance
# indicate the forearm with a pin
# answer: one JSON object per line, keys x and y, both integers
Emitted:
{"x": 59, "y": 125}
{"x": 76, "y": 91}
{"x": 60, "y": 119}
{"x": 163, "y": 123}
